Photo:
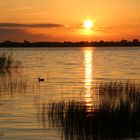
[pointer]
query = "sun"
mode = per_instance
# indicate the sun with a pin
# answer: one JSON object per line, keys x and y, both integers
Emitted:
{"x": 88, "y": 24}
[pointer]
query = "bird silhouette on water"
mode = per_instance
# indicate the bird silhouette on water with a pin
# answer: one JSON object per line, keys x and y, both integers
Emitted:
{"x": 41, "y": 79}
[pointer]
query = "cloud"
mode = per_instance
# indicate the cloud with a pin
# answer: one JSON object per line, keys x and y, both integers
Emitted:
{"x": 21, "y": 35}
{"x": 17, "y": 25}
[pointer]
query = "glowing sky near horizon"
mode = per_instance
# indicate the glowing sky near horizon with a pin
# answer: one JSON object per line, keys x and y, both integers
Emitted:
{"x": 63, "y": 20}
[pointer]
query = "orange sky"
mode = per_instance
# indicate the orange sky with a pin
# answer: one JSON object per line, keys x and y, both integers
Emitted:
{"x": 62, "y": 20}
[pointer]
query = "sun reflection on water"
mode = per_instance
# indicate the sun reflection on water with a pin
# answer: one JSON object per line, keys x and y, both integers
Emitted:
{"x": 88, "y": 77}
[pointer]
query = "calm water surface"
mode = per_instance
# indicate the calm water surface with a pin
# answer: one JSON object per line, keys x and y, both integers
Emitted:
{"x": 68, "y": 73}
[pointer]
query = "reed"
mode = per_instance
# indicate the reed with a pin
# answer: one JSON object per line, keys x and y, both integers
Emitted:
{"x": 7, "y": 61}
{"x": 11, "y": 86}
{"x": 117, "y": 116}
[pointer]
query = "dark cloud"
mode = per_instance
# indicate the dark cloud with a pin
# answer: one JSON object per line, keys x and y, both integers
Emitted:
{"x": 17, "y": 25}
{"x": 21, "y": 35}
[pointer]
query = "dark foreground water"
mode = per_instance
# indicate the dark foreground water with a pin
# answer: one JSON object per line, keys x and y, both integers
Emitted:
{"x": 69, "y": 74}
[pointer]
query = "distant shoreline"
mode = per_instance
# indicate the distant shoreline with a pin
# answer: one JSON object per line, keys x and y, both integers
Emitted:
{"x": 26, "y": 44}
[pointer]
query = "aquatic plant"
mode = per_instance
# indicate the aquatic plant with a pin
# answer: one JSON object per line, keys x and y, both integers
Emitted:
{"x": 116, "y": 117}
{"x": 10, "y": 86}
{"x": 7, "y": 61}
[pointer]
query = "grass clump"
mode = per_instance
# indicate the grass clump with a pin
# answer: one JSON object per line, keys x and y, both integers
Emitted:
{"x": 13, "y": 86}
{"x": 117, "y": 116}
{"x": 7, "y": 61}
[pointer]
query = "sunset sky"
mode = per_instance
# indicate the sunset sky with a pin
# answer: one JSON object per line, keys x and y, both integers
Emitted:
{"x": 63, "y": 20}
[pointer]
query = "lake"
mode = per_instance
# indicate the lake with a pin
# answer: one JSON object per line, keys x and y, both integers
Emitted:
{"x": 67, "y": 73}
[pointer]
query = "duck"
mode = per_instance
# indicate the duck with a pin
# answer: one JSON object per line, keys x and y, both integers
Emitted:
{"x": 41, "y": 79}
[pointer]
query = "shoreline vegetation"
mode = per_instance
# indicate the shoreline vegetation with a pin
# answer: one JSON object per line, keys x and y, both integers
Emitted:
{"x": 121, "y": 43}
{"x": 7, "y": 61}
{"x": 117, "y": 116}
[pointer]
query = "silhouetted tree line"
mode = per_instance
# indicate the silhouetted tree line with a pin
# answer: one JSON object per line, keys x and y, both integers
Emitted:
{"x": 125, "y": 43}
